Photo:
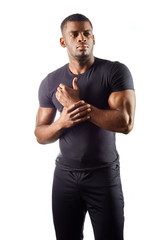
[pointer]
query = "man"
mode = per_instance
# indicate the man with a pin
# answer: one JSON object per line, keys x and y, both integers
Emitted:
{"x": 96, "y": 99}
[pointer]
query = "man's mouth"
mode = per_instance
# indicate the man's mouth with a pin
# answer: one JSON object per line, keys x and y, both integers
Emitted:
{"x": 82, "y": 47}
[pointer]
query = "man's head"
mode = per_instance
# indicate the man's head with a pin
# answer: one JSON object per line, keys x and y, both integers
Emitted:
{"x": 75, "y": 18}
{"x": 77, "y": 36}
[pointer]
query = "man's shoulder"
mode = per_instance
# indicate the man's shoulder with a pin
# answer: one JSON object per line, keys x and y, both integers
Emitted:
{"x": 106, "y": 65}
{"x": 52, "y": 78}
{"x": 57, "y": 72}
{"x": 106, "y": 62}
{"x": 110, "y": 65}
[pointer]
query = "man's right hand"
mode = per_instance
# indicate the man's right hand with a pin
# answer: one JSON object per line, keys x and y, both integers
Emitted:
{"x": 76, "y": 113}
{"x": 47, "y": 130}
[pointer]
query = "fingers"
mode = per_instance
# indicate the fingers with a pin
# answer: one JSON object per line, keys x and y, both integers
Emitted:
{"x": 80, "y": 111}
{"x": 81, "y": 115}
{"x": 76, "y": 113}
{"x": 61, "y": 85}
{"x": 58, "y": 94}
{"x": 76, "y": 105}
{"x": 74, "y": 83}
{"x": 81, "y": 119}
{"x": 59, "y": 89}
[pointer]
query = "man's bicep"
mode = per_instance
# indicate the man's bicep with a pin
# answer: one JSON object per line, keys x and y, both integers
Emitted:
{"x": 45, "y": 116}
{"x": 123, "y": 101}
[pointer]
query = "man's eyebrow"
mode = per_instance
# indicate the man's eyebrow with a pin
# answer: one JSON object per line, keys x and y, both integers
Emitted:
{"x": 75, "y": 31}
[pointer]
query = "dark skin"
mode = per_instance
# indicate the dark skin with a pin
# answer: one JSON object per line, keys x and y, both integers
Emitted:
{"x": 79, "y": 40}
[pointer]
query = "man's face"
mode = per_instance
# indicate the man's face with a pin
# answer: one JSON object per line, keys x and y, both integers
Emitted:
{"x": 78, "y": 39}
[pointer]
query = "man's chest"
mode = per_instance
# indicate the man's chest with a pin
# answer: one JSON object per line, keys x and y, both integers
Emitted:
{"x": 93, "y": 89}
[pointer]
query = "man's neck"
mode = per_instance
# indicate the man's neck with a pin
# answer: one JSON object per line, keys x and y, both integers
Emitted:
{"x": 79, "y": 67}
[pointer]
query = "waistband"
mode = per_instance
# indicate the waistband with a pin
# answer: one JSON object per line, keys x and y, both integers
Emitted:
{"x": 66, "y": 168}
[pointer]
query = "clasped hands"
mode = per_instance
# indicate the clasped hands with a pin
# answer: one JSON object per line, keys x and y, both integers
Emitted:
{"x": 75, "y": 110}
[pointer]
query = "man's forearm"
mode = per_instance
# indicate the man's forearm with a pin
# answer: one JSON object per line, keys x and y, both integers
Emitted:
{"x": 76, "y": 113}
{"x": 49, "y": 133}
{"x": 119, "y": 118}
{"x": 112, "y": 120}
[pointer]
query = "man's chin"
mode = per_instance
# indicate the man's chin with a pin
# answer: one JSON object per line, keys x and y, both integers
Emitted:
{"x": 81, "y": 57}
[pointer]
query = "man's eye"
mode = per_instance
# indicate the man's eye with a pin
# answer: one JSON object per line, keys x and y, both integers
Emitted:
{"x": 74, "y": 34}
{"x": 86, "y": 34}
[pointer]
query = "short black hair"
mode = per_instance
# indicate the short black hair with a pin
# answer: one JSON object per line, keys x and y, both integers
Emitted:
{"x": 77, "y": 17}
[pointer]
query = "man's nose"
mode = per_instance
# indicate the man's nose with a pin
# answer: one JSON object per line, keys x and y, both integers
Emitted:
{"x": 81, "y": 38}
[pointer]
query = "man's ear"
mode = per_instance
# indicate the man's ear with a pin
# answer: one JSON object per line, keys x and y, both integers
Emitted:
{"x": 62, "y": 42}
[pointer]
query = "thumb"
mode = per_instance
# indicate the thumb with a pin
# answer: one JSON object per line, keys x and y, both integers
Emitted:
{"x": 75, "y": 86}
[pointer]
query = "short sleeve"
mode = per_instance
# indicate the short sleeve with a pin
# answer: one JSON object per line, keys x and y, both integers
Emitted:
{"x": 121, "y": 78}
{"x": 44, "y": 95}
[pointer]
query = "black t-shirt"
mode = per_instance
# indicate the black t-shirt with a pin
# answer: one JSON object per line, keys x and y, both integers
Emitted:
{"x": 86, "y": 146}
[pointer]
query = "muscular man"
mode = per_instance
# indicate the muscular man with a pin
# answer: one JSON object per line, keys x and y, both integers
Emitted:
{"x": 95, "y": 98}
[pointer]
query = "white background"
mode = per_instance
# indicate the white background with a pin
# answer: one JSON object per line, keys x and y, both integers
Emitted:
{"x": 127, "y": 31}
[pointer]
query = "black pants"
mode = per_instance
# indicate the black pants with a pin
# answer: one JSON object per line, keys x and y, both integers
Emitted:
{"x": 99, "y": 192}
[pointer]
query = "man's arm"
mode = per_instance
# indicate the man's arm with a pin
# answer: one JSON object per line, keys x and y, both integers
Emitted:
{"x": 45, "y": 131}
{"x": 120, "y": 117}
{"x": 48, "y": 131}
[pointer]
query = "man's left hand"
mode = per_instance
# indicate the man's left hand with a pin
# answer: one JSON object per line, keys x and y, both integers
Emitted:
{"x": 68, "y": 96}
